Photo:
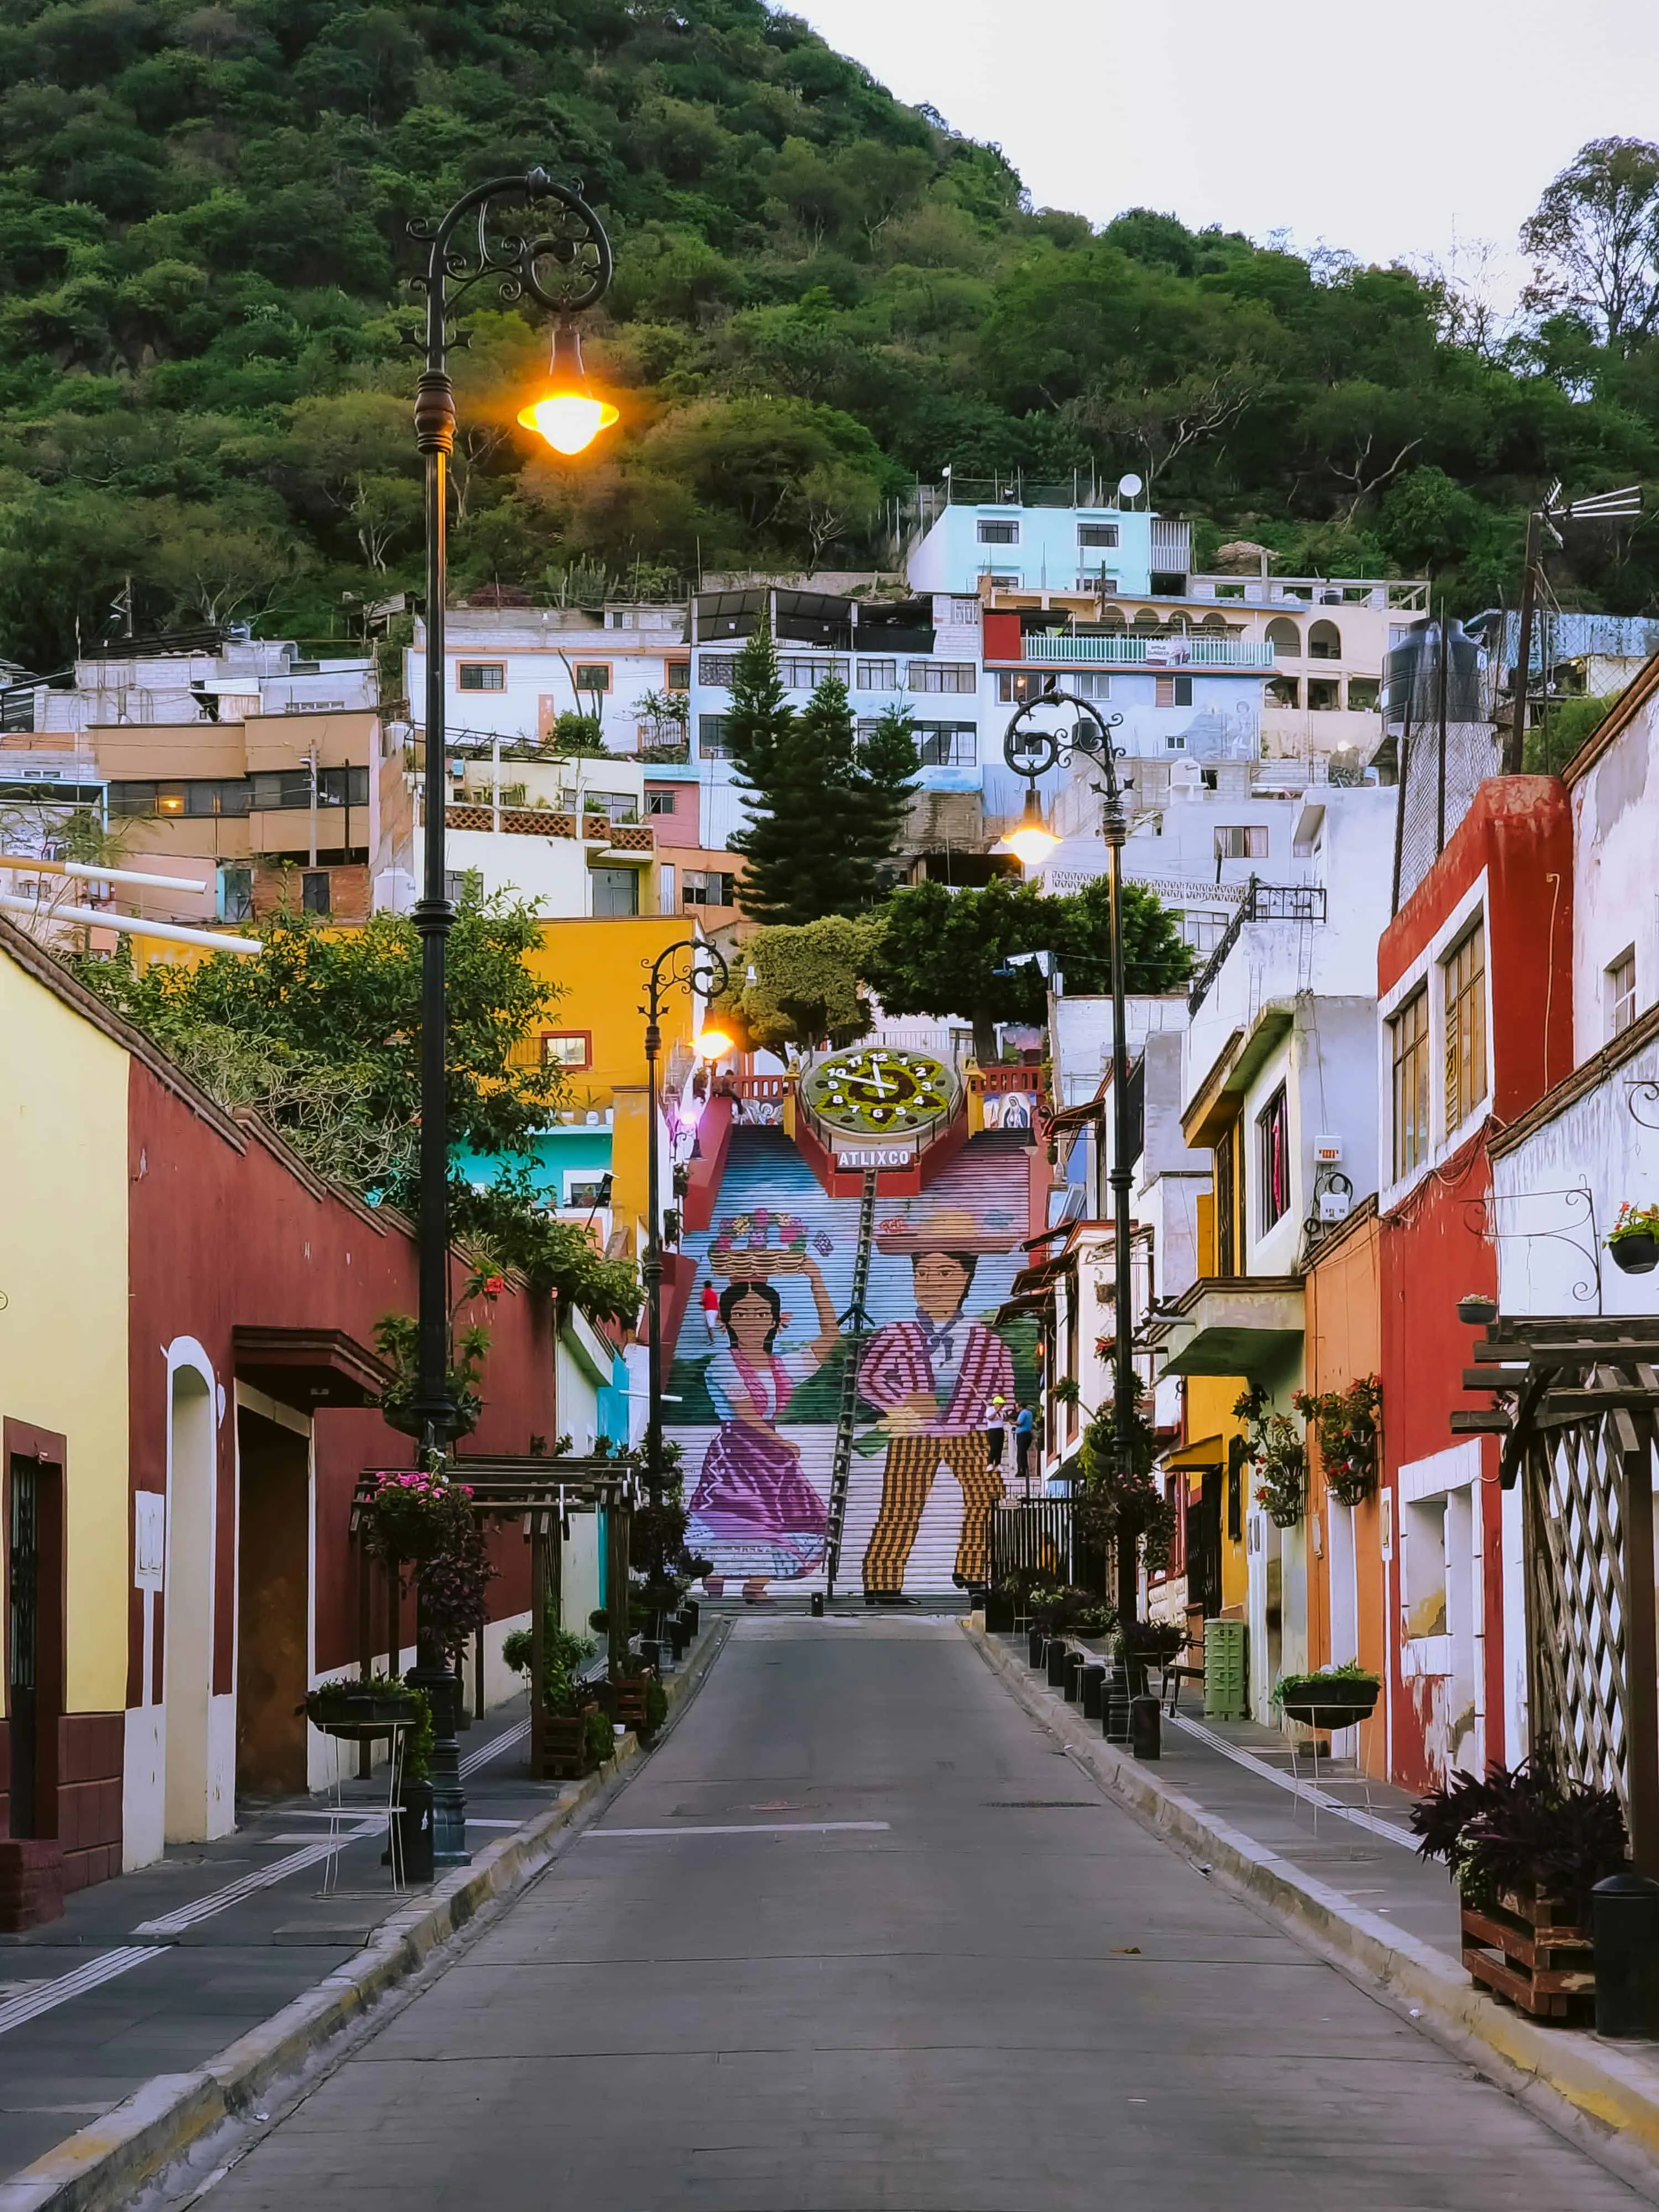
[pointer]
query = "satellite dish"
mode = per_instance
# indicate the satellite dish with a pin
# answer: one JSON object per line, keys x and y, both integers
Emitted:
{"x": 1130, "y": 487}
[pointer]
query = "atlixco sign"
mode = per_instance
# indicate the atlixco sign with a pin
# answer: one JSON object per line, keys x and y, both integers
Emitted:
{"x": 863, "y": 1157}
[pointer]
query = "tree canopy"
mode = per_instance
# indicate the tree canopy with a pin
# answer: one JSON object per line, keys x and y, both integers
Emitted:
{"x": 820, "y": 291}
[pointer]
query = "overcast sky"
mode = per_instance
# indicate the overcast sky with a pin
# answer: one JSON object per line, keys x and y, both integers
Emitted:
{"x": 1387, "y": 130}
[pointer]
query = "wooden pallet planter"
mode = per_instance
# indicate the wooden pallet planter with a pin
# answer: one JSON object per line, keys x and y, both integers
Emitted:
{"x": 1526, "y": 1955}
{"x": 558, "y": 1747}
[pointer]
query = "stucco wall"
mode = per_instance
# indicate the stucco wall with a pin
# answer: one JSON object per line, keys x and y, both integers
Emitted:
{"x": 1614, "y": 906}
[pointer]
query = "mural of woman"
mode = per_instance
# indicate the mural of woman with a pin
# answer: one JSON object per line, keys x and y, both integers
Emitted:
{"x": 753, "y": 1510}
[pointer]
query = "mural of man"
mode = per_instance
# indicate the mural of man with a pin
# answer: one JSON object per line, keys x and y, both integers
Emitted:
{"x": 932, "y": 1377}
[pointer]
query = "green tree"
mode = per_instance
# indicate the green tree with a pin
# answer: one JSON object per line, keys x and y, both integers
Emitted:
{"x": 796, "y": 986}
{"x": 1594, "y": 238}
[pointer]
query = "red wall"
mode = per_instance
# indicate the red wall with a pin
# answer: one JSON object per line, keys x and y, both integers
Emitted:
{"x": 1437, "y": 1246}
{"x": 221, "y": 1235}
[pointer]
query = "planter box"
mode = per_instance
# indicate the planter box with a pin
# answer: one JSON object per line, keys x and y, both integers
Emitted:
{"x": 558, "y": 1747}
{"x": 999, "y": 1613}
{"x": 627, "y": 1702}
{"x": 1527, "y": 1956}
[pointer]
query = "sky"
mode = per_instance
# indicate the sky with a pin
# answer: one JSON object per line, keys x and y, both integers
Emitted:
{"x": 1395, "y": 133}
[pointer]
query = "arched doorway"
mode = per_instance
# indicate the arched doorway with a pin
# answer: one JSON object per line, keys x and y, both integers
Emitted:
{"x": 187, "y": 1663}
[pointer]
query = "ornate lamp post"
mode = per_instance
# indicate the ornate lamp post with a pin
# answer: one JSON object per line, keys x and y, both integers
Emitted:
{"x": 700, "y": 970}
{"x": 1031, "y": 752}
{"x": 534, "y": 239}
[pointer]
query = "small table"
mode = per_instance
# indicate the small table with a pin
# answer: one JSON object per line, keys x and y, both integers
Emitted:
{"x": 339, "y": 1812}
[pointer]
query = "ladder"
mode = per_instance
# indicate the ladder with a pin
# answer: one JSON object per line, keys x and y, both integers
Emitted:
{"x": 854, "y": 1327}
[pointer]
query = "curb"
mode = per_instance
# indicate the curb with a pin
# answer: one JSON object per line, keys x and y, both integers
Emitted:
{"x": 1603, "y": 2097}
{"x": 104, "y": 2165}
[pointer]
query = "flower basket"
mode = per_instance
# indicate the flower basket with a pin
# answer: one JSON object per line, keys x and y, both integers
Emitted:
{"x": 1329, "y": 1700}
{"x": 357, "y": 1711}
{"x": 750, "y": 1247}
{"x": 1637, "y": 1254}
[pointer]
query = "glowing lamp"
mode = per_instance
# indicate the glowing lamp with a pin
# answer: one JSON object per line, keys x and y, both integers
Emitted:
{"x": 712, "y": 1044}
{"x": 569, "y": 414}
{"x": 1033, "y": 841}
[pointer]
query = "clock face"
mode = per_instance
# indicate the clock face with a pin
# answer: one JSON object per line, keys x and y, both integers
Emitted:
{"x": 877, "y": 1092}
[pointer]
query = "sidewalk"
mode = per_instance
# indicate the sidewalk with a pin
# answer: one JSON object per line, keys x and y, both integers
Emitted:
{"x": 147, "y": 1982}
{"x": 1334, "y": 1862}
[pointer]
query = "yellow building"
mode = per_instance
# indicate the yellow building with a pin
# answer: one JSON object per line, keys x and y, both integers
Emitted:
{"x": 66, "y": 1521}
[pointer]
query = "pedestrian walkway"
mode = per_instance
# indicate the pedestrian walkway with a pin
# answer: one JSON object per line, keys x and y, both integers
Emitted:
{"x": 158, "y": 1970}
{"x": 859, "y": 1937}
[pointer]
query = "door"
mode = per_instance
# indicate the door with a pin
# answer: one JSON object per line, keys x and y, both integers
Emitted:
{"x": 273, "y": 1637}
{"x": 615, "y": 891}
{"x": 23, "y": 1641}
{"x": 1203, "y": 1545}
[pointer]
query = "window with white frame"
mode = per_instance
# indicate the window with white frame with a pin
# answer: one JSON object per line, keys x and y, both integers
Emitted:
{"x": 1240, "y": 841}
{"x": 946, "y": 744}
{"x": 482, "y": 676}
{"x": 1464, "y": 971}
{"x": 1619, "y": 991}
{"x": 878, "y": 676}
{"x": 955, "y": 676}
{"x": 1408, "y": 1034}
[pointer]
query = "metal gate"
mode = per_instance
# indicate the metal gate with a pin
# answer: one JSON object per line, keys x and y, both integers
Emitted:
{"x": 1033, "y": 1537}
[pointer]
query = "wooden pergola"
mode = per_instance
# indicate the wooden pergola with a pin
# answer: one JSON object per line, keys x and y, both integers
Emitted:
{"x": 542, "y": 1494}
{"x": 1577, "y": 1404}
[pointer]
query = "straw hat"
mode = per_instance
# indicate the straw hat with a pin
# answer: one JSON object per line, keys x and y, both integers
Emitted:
{"x": 943, "y": 1228}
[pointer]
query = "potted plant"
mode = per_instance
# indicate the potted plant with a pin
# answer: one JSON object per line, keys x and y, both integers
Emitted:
{"x": 361, "y": 1709}
{"x": 1150, "y": 1642}
{"x": 1344, "y": 1424}
{"x": 1278, "y": 1455}
{"x": 1633, "y": 1240}
{"x": 1330, "y": 1696}
{"x": 1525, "y": 1851}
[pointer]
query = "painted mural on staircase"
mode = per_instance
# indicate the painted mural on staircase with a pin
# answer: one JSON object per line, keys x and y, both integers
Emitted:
{"x": 756, "y": 1378}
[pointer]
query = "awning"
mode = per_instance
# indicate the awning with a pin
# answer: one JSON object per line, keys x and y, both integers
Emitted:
{"x": 1078, "y": 1117}
{"x": 309, "y": 1368}
{"x": 1208, "y": 1452}
{"x": 1235, "y": 1324}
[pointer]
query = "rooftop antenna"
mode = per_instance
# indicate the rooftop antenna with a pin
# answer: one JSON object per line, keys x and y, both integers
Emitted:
{"x": 1130, "y": 487}
{"x": 1594, "y": 506}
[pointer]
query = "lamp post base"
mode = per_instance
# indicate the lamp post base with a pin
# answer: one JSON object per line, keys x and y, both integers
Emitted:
{"x": 448, "y": 1798}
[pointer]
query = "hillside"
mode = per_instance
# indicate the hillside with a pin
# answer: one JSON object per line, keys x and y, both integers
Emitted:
{"x": 820, "y": 293}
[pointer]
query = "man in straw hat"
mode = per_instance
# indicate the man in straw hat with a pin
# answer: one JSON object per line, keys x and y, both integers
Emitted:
{"x": 932, "y": 1377}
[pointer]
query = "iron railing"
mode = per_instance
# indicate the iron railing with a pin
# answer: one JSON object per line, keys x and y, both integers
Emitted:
{"x": 1261, "y": 903}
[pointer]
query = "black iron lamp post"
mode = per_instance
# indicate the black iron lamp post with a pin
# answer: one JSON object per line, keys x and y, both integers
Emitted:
{"x": 699, "y": 968}
{"x": 532, "y": 238}
{"x": 1031, "y": 752}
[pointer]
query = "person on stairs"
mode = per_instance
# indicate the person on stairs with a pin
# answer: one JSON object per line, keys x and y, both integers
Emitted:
{"x": 931, "y": 1377}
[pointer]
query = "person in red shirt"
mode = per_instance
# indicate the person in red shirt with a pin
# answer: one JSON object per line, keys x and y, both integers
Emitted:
{"x": 711, "y": 1309}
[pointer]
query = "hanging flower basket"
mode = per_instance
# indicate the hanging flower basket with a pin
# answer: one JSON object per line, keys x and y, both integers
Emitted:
{"x": 1344, "y": 1424}
{"x": 1279, "y": 1457}
{"x": 1633, "y": 1240}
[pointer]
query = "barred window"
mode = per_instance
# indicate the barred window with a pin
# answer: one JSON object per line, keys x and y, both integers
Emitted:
{"x": 482, "y": 676}
{"x": 717, "y": 667}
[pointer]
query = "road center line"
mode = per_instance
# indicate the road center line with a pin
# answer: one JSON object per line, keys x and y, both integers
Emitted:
{"x": 758, "y": 1828}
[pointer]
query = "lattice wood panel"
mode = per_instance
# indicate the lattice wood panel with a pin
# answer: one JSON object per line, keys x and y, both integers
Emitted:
{"x": 1575, "y": 1503}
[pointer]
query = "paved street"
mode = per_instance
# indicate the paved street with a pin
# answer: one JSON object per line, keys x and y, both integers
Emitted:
{"x": 988, "y": 1988}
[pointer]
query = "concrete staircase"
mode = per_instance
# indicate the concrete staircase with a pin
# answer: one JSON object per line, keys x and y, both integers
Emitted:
{"x": 980, "y": 1199}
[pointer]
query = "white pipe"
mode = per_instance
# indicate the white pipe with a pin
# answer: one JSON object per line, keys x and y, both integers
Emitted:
{"x": 89, "y": 872}
{"x": 168, "y": 931}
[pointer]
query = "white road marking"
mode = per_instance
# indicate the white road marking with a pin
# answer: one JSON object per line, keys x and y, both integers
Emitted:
{"x": 221, "y": 1900}
{"x": 1280, "y": 1780}
{"x": 757, "y": 1828}
{"x": 518, "y": 1734}
{"x": 48, "y": 1996}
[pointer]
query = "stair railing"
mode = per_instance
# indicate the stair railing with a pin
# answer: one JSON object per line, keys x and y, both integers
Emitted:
{"x": 855, "y": 1328}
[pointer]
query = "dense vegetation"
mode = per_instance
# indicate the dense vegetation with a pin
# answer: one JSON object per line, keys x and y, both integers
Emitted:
{"x": 820, "y": 293}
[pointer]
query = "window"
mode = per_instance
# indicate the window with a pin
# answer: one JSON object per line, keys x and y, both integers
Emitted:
{"x": 198, "y": 796}
{"x": 1272, "y": 1133}
{"x": 1173, "y": 692}
{"x": 314, "y": 890}
{"x": 567, "y": 1049}
{"x": 956, "y": 676}
{"x": 615, "y": 891}
{"x": 1324, "y": 695}
{"x": 586, "y": 1189}
{"x": 482, "y": 676}
{"x": 709, "y": 887}
{"x": 287, "y": 790}
{"x": 802, "y": 675}
{"x": 1466, "y": 1027}
{"x": 1176, "y": 742}
{"x": 1094, "y": 580}
{"x": 615, "y": 805}
{"x": 235, "y": 894}
{"x": 462, "y": 885}
{"x": 1362, "y": 694}
{"x": 1229, "y": 1200}
{"x": 711, "y": 735}
{"x": 1324, "y": 641}
{"x": 1620, "y": 990}
{"x": 1096, "y": 533}
{"x": 1089, "y": 683}
{"x": 1283, "y": 691}
{"x": 1236, "y": 843}
{"x": 660, "y": 802}
{"x": 1019, "y": 689}
{"x": 1409, "y": 1035}
{"x": 717, "y": 667}
{"x": 999, "y": 533}
{"x": 1283, "y": 636}
{"x": 593, "y": 675}
{"x": 878, "y": 676}
{"x": 678, "y": 678}
{"x": 946, "y": 745}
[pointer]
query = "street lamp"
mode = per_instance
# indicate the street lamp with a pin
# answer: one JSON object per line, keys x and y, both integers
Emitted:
{"x": 1031, "y": 752}
{"x": 530, "y": 237}
{"x": 699, "y": 968}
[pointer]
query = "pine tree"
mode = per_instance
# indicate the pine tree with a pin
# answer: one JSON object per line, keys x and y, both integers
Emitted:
{"x": 888, "y": 762}
{"x": 760, "y": 715}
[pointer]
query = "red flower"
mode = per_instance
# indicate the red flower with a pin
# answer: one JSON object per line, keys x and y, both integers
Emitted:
{"x": 493, "y": 1286}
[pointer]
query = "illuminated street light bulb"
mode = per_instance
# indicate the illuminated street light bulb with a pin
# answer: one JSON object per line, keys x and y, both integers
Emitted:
{"x": 1033, "y": 841}
{"x": 569, "y": 414}
{"x": 711, "y": 1044}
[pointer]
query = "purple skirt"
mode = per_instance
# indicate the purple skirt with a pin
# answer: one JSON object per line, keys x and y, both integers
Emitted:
{"x": 753, "y": 1510}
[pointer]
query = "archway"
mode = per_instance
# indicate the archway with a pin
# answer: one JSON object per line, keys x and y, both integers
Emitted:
{"x": 187, "y": 1666}
{"x": 1324, "y": 641}
{"x": 1283, "y": 636}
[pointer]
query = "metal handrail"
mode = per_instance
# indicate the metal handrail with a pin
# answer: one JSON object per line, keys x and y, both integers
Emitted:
{"x": 1260, "y": 902}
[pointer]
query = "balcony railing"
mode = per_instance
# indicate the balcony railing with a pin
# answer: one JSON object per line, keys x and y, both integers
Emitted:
{"x": 1261, "y": 903}
{"x": 544, "y": 822}
{"x": 1125, "y": 650}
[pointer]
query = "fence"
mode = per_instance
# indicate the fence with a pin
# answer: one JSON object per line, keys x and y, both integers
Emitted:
{"x": 1033, "y": 1538}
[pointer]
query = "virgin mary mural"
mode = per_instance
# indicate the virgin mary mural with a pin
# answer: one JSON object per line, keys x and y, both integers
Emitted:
{"x": 754, "y": 1509}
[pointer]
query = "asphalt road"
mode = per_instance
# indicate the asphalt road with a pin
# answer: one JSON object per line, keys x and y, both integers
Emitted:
{"x": 999, "y": 1995}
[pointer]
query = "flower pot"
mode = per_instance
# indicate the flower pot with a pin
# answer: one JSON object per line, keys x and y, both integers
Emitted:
{"x": 414, "y": 1832}
{"x": 1332, "y": 1706}
{"x": 1057, "y": 1654}
{"x": 999, "y": 1613}
{"x": 1637, "y": 1254}
{"x": 1035, "y": 1640}
{"x": 356, "y": 1714}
